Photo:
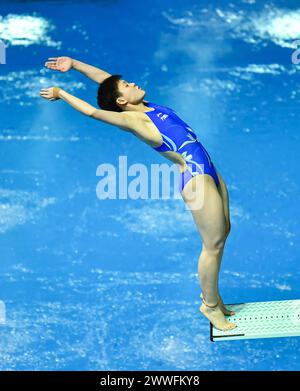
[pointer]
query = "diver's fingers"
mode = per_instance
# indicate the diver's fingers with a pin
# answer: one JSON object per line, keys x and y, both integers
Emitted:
{"x": 51, "y": 65}
{"x": 52, "y": 58}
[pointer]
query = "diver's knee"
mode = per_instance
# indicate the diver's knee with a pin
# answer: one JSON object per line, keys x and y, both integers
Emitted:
{"x": 214, "y": 247}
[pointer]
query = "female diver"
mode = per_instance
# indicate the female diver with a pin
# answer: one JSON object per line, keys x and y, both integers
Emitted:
{"x": 122, "y": 104}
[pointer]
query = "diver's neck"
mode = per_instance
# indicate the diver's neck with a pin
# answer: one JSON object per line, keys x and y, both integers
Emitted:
{"x": 139, "y": 107}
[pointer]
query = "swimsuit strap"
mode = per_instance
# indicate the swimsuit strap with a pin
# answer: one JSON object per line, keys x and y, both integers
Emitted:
{"x": 158, "y": 107}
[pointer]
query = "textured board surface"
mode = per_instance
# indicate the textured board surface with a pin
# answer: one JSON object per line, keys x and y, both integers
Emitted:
{"x": 267, "y": 319}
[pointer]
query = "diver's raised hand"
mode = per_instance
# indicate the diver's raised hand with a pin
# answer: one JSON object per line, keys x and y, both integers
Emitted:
{"x": 62, "y": 64}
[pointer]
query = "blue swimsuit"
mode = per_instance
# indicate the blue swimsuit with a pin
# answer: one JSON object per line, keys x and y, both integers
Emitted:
{"x": 179, "y": 137}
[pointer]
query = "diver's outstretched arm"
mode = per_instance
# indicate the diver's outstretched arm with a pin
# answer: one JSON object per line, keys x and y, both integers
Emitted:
{"x": 90, "y": 71}
{"x": 64, "y": 64}
{"x": 121, "y": 119}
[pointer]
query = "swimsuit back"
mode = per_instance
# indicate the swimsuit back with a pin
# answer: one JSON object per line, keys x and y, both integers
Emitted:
{"x": 175, "y": 132}
{"x": 179, "y": 137}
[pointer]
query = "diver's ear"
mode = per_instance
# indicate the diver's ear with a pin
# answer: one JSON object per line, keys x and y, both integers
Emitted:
{"x": 121, "y": 100}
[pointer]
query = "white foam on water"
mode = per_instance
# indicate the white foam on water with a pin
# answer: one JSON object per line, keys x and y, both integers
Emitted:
{"x": 25, "y": 30}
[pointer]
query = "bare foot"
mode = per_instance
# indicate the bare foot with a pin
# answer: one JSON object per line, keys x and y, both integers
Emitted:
{"x": 216, "y": 317}
{"x": 222, "y": 307}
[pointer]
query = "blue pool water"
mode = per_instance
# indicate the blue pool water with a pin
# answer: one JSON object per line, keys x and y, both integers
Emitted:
{"x": 93, "y": 284}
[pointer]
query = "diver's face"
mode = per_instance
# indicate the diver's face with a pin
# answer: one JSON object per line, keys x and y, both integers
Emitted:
{"x": 131, "y": 93}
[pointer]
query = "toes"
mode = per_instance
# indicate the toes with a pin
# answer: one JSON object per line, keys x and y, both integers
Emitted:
{"x": 231, "y": 326}
{"x": 228, "y": 327}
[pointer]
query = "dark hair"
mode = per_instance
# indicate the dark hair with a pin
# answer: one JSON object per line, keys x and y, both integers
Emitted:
{"x": 108, "y": 93}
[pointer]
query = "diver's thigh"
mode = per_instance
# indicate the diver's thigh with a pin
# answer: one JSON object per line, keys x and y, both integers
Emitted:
{"x": 209, "y": 215}
{"x": 225, "y": 197}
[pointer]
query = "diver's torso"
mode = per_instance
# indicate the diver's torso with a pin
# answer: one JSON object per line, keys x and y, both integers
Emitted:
{"x": 163, "y": 130}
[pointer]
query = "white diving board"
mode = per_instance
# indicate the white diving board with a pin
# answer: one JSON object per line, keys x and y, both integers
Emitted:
{"x": 264, "y": 319}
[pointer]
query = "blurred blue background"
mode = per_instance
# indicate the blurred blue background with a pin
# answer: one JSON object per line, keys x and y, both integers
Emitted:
{"x": 93, "y": 284}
